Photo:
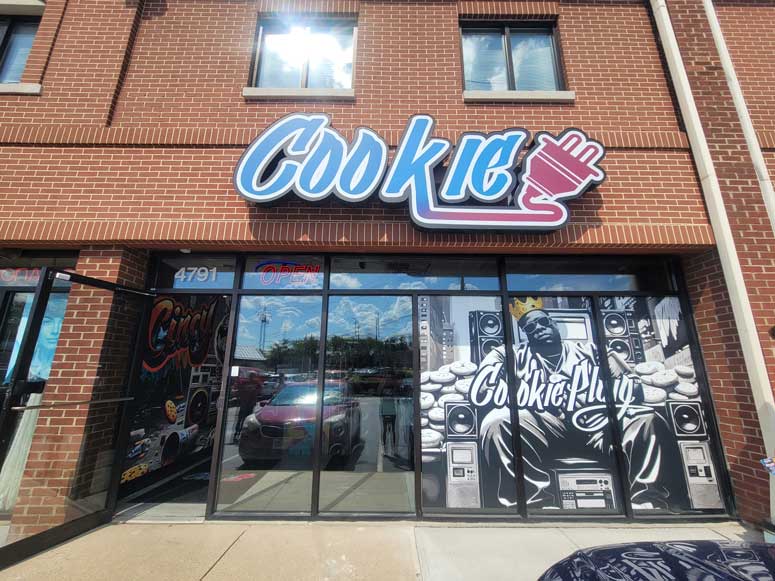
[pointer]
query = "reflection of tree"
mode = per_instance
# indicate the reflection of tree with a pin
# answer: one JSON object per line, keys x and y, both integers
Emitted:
{"x": 370, "y": 364}
{"x": 299, "y": 355}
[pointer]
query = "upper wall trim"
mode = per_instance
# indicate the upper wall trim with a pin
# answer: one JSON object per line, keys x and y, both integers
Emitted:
{"x": 80, "y": 135}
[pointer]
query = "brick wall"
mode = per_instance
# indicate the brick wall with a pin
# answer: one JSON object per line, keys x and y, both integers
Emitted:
{"x": 744, "y": 205}
{"x": 184, "y": 196}
{"x": 732, "y": 398}
{"x": 71, "y": 454}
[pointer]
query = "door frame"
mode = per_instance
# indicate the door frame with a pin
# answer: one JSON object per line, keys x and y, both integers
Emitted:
{"x": 29, "y": 546}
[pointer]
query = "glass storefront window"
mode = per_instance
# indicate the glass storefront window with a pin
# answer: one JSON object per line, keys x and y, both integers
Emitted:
{"x": 368, "y": 437}
{"x": 411, "y": 273}
{"x": 562, "y": 406}
{"x": 666, "y": 438}
{"x": 463, "y": 403}
{"x": 272, "y": 406}
{"x": 288, "y": 272}
{"x": 600, "y": 274}
{"x": 195, "y": 272}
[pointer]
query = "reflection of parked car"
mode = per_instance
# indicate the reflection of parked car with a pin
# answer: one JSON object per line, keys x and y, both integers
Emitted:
{"x": 253, "y": 379}
{"x": 679, "y": 560}
{"x": 285, "y": 424}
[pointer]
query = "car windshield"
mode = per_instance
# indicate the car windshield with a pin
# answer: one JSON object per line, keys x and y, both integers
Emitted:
{"x": 305, "y": 394}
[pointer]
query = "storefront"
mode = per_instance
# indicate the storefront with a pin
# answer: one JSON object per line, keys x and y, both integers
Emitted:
{"x": 397, "y": 385}
{"x": 376, "y": 259}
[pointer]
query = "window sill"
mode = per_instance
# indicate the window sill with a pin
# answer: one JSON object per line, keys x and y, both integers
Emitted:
{"x": 519, "y": 96}
{"x": 20, "y": 89}
{"x": 22, "y": 7}
{"x": 256, "y": 93}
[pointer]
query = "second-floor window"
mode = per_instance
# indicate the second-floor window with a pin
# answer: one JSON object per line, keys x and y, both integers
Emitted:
{"x": 16, "y": 36}
{"x": 510, "y": 58}
{"x": 312, "y": 54}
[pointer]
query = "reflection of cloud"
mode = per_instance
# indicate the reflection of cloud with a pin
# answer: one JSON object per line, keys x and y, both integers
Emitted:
{"x": 414, "y": 285}
{"x": 342, "y": 281}
{"x": 394, "y": 315}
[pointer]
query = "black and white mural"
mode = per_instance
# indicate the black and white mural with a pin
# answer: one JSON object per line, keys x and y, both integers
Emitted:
{"x": 658, "y": 395}
{"x": 561, "y": 401}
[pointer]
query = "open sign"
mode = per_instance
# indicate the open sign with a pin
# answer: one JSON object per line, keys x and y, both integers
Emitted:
{"x": 285, "y": 274}
{"x": 19, "y": 276}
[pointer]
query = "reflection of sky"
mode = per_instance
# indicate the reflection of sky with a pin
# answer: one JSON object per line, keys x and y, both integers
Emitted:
{"x": 283, "y": 318}
{"x": 484, "y": 61}
{"x": 400, "y": 281}
{"x": 571, "y": 282}
{"x": 533, "y": 59}
{"x": 362, "y": 315}
{"x": 284, "y": 54}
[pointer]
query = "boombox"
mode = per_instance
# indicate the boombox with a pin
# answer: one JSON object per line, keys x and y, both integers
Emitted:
{"x": 485, "y": 332}
{"x": 689, "y": 428}
{"x": 462, "y": 456}
{"x": 589, "y": 489}
{"x": 622, "y": 337}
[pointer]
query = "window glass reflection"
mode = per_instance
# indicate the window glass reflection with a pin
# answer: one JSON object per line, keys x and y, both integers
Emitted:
{"x": 315, "y": 56}
{"x": 532, "y": 55}
{"x": 331, "y": 59}
{"x": 22, "y": 35}
{"x": 283, "y": 55}
{"x": 272, "y": 413}
{"x": 410, "y": 273}
{"x": 484, "y": 61}
{"x": 14, "y": 323}
{"x": 368, "y": 438}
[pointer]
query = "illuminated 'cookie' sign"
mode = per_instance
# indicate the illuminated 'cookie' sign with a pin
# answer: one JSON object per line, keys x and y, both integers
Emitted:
{"x": 482, "y": 188}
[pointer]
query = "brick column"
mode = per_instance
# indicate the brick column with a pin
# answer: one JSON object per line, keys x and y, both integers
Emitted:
{"x": 72, "y": 449}
{"x": 732, "y": 398}
{"x": 753, "y": 235}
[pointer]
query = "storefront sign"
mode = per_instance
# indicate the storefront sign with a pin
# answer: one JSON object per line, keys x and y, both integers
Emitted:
{"x": 283, "y": 272}
{"x": 302, "y": 154}
{"x": 19, "y": 276}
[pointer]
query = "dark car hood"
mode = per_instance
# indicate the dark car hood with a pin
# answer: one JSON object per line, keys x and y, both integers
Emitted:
{"x": 668, "y": 561}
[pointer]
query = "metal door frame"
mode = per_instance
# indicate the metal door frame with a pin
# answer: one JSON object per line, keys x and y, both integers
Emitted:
{"x": 27, "y": 547}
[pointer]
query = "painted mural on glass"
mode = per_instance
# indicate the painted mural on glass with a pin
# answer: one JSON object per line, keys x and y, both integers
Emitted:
{"x": 656, "y": 379}
{"x": 174, "y": 412}
{"x": 459, "y": 389}
{"x": 562, "y": 405}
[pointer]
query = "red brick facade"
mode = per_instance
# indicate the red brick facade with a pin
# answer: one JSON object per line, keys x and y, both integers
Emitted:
{"x": 133, "y": 142}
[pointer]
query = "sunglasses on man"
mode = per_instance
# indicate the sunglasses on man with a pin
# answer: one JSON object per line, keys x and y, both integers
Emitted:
{"x": 531, "y": 326}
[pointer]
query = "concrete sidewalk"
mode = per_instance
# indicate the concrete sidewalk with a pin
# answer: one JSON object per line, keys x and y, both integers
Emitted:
{"x": 223, "y": 551}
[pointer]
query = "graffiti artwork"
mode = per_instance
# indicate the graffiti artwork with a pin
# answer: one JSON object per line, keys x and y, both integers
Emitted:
{"x": 180, "y": 378}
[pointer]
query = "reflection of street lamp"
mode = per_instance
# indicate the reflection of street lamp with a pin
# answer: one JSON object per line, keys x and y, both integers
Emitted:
{"x": 263, "y": 318}
{"x": 376, "y": 333}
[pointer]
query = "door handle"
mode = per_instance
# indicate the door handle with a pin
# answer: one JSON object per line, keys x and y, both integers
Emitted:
{"x": 69, "y": 403}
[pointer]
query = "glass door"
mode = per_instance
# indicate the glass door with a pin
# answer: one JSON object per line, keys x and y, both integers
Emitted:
{"x": 65, "y": 359}
{"x": 367, "y": 452}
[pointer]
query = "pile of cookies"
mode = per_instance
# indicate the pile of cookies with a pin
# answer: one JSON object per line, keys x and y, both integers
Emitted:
{"x": 449, "y": 383}
{"x": 660, "y": 384}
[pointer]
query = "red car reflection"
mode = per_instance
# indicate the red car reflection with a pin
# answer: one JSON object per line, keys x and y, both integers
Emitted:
{"x": 284, "y": 426}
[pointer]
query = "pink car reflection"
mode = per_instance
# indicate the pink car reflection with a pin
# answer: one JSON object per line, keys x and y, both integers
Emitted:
{"x": 284, "y": 426}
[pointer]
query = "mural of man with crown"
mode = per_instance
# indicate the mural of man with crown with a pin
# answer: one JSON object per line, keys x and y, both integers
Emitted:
{"x": 563, "y": 417}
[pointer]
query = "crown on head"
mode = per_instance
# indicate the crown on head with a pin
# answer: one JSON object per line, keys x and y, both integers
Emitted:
{"x": 521, "y": 308}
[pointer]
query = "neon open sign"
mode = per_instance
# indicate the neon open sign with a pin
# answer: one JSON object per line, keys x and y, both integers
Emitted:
{"x": 482, "y": 188}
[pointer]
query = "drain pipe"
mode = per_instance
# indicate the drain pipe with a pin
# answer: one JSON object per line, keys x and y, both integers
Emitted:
{"x": 762, "y": 175}
{"x": 730, "y": 264}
